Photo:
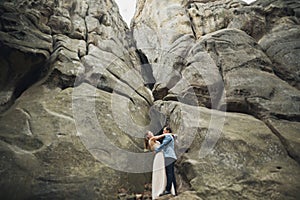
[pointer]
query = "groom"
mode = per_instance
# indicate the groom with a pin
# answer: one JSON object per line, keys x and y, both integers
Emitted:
{"x": 167, "y": 147}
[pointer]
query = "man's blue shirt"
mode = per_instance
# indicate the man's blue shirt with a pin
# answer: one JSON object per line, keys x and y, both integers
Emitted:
{"x": 167, "y": 147}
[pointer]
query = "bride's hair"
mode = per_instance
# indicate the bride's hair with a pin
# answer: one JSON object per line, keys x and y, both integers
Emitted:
{"x": 146, "y": 141}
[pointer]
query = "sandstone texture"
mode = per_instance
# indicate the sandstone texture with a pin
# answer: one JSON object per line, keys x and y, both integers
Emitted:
{"x": 79, "y": 88}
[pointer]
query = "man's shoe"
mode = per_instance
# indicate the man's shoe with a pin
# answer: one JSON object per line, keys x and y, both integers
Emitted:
{"x": 165, "y": 193}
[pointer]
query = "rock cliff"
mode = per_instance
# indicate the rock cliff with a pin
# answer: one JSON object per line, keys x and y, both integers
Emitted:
{"x": 79, "y": 88}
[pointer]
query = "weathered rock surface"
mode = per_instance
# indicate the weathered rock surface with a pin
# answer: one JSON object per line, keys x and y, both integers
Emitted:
{"x": 250, "y": 83}
{"x": 78, "y": 90}
{"x": 42, "y": 155}
{"x": 275, "y": 25}
{"x": 282, "y": 44}
{"x": 47, "y": 153}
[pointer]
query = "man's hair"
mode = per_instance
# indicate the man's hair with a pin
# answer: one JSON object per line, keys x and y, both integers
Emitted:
{"x": 168, "y": 129}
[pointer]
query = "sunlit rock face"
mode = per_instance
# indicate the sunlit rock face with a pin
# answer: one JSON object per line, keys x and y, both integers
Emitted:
{"x": 78, "y": 90}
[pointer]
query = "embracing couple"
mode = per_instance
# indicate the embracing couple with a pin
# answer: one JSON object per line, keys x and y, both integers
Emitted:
{"x": 163, "y": 176}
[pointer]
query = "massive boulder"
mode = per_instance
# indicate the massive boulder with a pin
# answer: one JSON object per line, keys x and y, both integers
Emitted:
{"x": 78, "y": 90}
{"x": 227, "y": 55}
{"x": 231, "y": 155}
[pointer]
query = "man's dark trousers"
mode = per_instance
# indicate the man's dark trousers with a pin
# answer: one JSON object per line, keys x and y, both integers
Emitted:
{"x": 169, "y": 165}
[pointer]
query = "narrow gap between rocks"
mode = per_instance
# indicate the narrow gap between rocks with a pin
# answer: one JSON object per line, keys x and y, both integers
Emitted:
{"x": 125, "y": 82}
{"x": 283, "y": 141}
{"x": 188, "y": 6}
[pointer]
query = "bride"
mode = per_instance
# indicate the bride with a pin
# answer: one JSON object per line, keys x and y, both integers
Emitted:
{"x": 159, "y": 179}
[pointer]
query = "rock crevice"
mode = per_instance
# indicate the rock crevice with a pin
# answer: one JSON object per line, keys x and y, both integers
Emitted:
{"x": 80, "y": 90}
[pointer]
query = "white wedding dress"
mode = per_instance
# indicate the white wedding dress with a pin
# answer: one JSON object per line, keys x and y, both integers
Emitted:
{"x": 159, "y": 178}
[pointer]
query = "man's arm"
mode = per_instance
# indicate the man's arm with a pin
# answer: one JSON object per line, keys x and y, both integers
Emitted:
{"x": 157, "y": 137}
{"x": 166, "y": 141}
